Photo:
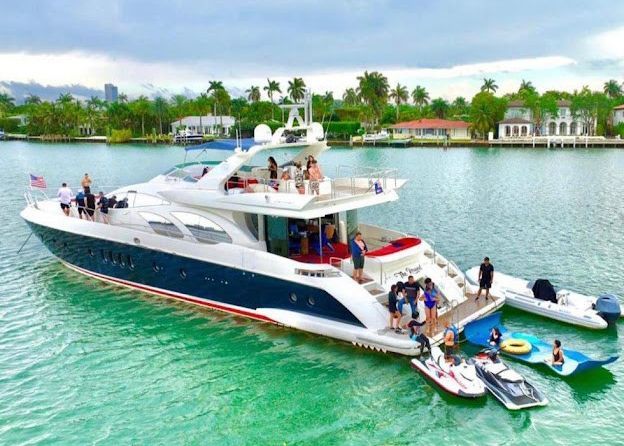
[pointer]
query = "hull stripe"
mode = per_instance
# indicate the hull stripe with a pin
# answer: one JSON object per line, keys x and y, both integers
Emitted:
{"x": 171, "y": 295}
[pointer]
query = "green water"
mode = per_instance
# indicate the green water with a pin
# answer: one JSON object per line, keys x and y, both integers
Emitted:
{"x": 86, "y": 363}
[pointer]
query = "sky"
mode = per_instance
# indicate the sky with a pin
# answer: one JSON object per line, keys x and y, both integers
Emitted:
{"x": 167, "y": 47}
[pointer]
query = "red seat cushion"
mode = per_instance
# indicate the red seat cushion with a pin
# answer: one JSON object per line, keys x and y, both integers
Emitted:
{"x": 395, "y": 246}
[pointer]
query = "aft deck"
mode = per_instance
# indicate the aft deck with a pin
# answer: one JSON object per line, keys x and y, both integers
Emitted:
{"x": 460, "y": 315}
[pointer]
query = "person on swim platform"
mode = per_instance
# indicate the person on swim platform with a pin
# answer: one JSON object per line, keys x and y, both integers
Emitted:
{"x": 431, "y": 299}
{"x": 416, "y": 335}
{"x": 495, "y": 337}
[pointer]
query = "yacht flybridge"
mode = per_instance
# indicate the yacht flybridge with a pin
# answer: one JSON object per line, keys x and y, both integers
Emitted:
{"x": 229, "y": 237}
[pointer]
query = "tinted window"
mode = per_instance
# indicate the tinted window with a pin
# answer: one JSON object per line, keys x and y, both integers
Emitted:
{"x": 138, "y": 200}
{"x": 161, "y": 225}
{"x": 203, "y": 229}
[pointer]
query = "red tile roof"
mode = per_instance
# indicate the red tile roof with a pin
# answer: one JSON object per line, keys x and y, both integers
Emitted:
{"x": 431, "y": 124}
{"x": 619, "y": 107}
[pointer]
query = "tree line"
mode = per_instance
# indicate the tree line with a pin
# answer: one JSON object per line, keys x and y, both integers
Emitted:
{"x": 371, "y": 101}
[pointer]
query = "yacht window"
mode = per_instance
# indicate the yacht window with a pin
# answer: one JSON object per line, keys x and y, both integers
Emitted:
{"x": 130, "y": 263}
{"x": 111, "y": 257}
{"x": 103, "y": 254}
{"x": 161, "y": 225}
{"x": 203, "y": 229}
{"x": 183, "y": 273}
{"x": 137, "y": 200}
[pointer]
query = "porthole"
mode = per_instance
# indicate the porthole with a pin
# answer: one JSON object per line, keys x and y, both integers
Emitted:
{"x": 121, "y": 260}
{"x": 91, "y": 253}
{"x": 183, "y": 273}
{"x": 293, "y": 297}
{"x": 137, "y": 241}
{"x": 130, "y": 262}
{"x": 311, "y": 301}
{"x": 155, "y": 267}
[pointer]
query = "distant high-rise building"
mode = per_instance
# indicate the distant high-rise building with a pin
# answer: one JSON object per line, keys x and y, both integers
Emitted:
{"x": 110, "y": 92}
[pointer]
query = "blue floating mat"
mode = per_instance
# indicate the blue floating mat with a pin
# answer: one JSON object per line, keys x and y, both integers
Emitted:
{"x": 478, "y": 333}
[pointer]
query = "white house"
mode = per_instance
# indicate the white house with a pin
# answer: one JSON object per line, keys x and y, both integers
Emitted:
{"x": 518, "y": 122}
{"x": 431, "y": 129}
{"x": 206, "y": 125}
{"x": 618, "y": 114}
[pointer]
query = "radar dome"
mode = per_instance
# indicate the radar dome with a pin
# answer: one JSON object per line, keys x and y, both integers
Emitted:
{"x": 317, "y": 131}
{"x": 262, "y": 134}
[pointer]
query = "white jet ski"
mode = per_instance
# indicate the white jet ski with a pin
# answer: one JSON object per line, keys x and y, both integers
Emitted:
{"x": 459, "y": 380}
{"x": 507, "y": 385}
{"x": 540, "y": 297}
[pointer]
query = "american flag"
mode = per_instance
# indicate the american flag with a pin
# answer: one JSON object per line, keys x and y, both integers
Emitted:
{"x": 36, "y": 181}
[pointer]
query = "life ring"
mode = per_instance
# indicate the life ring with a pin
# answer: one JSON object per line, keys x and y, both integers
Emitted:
{"x": 516, "y": 346}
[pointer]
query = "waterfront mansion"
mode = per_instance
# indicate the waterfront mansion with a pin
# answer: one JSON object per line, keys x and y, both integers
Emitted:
{"x": 518, "y": 122}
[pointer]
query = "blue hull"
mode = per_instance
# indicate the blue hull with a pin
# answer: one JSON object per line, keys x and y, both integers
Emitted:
{"x": 203, "y": 280}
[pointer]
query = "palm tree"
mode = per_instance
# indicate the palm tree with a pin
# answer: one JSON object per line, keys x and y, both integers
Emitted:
{"x": 612, "y": 89}
{"x": 253, "y": 93}
{"x": 94, "y": 106}
{"x": 32, "y": 99}
{"x": 202, "y": 106}
{"x": 296, "y": 89}
{"x": 439, "y": 107}
{"x": 6, "y": 103}
{"x": 179, "y": 103}
{"x": 489, "y": 85}
{"x": 160, "y": 108}
{"x": 141, "y": 107}
{"x": 350, "y": 97}
{"x": 400, "y": 95}
{"x": 272, "y": 87}
{"x": 420, "y": 96}
{"x": 213, "y": 88}
{"x": 525, "y": 86}
{"x": 460, "y": 106}
{"x": 373, "y": 89}
{"x": 123, "y": 98}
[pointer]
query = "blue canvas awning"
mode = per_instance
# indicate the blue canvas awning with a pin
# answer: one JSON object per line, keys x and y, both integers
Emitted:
{"x": 223, "y": 144}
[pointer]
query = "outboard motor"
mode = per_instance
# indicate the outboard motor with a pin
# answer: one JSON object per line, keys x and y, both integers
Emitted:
{"x": 608, "y": 307}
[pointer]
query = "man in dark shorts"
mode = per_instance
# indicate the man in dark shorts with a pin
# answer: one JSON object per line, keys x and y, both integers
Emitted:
{"x": 90, "y": 203}
{"x": 80, "y": 203}
{"x": 412, "y": 288}
{"x": 393, "y": 310}
{"x": 103, "y": 205}
{"x": 416, "y": 335}
{"x": 486, "y": 276}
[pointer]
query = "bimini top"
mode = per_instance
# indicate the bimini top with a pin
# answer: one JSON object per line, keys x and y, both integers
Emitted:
{"x": 223, "y": 144}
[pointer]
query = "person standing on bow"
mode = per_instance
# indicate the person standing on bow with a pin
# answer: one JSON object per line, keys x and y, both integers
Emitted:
{"x": 486, "y": 277}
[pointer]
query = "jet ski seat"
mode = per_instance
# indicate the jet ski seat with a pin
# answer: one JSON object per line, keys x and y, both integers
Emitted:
{"x": 499, "y": 369}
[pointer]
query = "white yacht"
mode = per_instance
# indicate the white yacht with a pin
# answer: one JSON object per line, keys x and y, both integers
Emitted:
{"x": 227, "y": 236}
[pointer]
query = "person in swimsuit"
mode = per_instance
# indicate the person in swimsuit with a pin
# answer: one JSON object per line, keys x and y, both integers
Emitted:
{"x": 495, "y": 337}
{"x": 431, "y": 299}
{"x": 315, "y": 175}
{"x": 392, "y": 309}
{"x": 557, "y": 354}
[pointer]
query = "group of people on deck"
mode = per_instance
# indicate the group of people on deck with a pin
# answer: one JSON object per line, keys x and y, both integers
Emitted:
{"x": 86, "y": 202}
{"x": 312, "y": 173}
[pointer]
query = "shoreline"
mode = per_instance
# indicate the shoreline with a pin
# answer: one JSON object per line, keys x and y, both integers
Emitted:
{"x": 390, "y": 144}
